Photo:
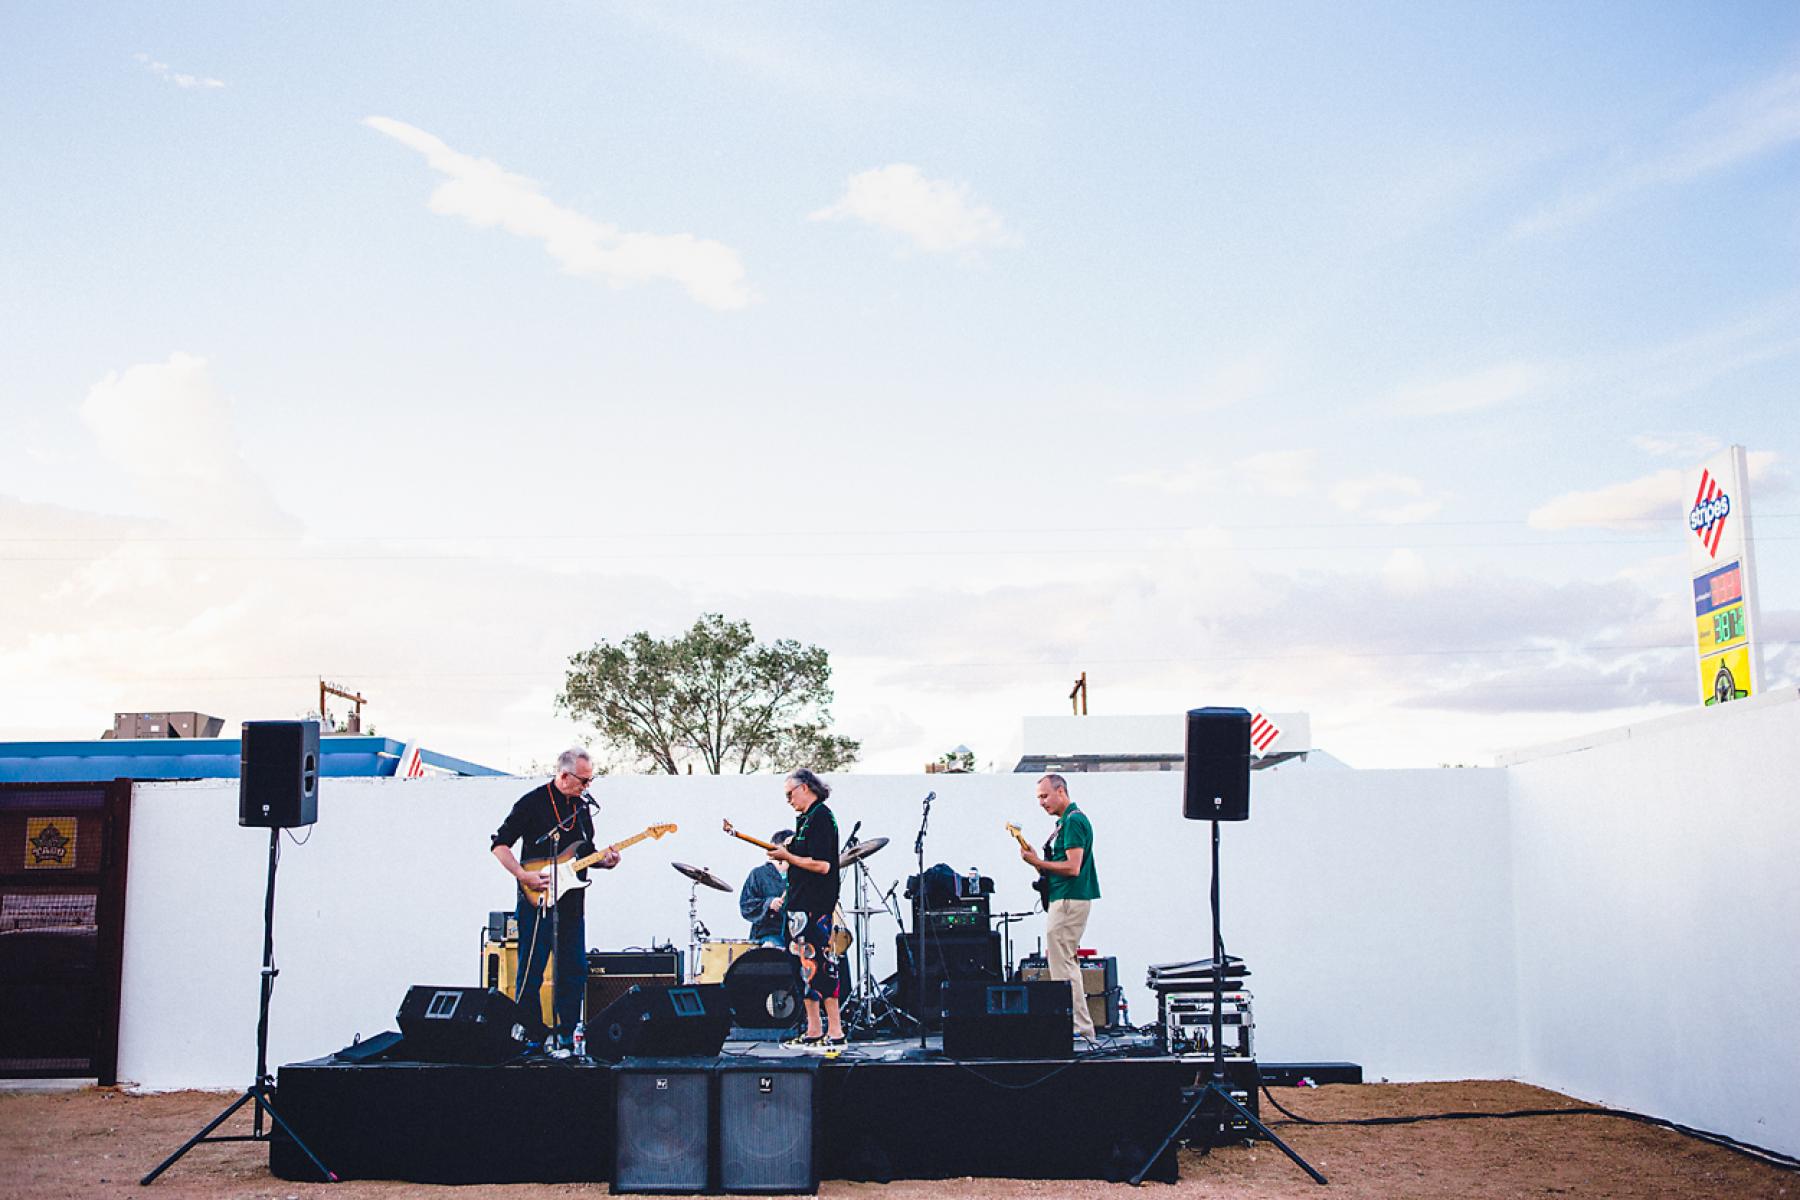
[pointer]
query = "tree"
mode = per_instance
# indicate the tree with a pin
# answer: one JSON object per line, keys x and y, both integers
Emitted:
{"x": 713, "y": 694}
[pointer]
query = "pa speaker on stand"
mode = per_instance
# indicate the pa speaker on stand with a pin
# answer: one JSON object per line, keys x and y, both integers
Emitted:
{"x": 1216, "y": 774}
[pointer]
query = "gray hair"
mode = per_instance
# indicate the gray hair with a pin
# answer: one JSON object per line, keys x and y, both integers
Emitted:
{"x": 565, "y": 762}
{"x": 1057, "y": 782}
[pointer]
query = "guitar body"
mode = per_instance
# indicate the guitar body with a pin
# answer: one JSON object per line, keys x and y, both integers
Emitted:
{"x": 565, "y": 880}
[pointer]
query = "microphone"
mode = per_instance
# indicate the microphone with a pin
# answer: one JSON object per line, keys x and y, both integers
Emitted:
{"x": 851, "y": 840}
{"x": 587, "y": 798}
{"x": 930, "y": 796}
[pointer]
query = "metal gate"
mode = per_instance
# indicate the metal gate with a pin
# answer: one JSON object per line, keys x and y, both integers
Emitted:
{"x": 62, "y": 926}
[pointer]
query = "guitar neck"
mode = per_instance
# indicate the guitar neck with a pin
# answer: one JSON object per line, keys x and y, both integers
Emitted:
{"x": 581, "y": 864}
{"x": 753, "y": 841}
{"x": 1019, "y": 837}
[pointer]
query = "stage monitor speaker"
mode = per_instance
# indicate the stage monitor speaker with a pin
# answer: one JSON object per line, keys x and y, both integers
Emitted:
{"x": 676, "y": 1022}
{"x": 278, "y": 774}
{"x": 1008, "y": 1020}
{"x": 764, "y": 990}
{"x": 662, "y": 1128}
{"x": 1216, "y": 782}
{"x": 459, "y": 1025}
{"x": 766, "y": 1116}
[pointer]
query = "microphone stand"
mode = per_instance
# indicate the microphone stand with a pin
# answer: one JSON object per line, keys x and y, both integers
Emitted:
{"x": 919, "y": 916}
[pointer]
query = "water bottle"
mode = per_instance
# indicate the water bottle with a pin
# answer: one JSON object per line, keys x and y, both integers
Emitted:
{"x": 581, "y": 1039}
{"x": 974, "y": 883}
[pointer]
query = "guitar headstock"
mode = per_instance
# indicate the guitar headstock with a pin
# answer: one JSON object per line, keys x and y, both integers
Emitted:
{"x": 657, "y": 831}
{"x": 1012, "y": 829}
{"x": 728, "y": 828}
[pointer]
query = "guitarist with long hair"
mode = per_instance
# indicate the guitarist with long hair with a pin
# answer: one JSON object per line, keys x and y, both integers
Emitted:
{"x": 551, "y": 822}
{"x": 812, "y": 895}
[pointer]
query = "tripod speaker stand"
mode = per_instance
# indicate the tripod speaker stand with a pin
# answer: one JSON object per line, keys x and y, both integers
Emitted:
{"x": 278, "y": 787}
{"x": 264, "y": 1085}
{"x": 1216, "y": 784}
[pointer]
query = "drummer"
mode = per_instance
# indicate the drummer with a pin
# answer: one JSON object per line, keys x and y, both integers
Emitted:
{"x": 761, "y": 898}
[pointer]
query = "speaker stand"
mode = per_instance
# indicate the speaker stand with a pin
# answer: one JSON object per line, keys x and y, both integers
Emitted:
{"x": 1214, "y": 1096}
{"x": 264, "y": 1087}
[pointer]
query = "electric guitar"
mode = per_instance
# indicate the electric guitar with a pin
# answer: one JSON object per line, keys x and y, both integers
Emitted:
{"x": 1040, "y": 885}
{"x": 564, "y": 880}
{"x": 747, "y": 838}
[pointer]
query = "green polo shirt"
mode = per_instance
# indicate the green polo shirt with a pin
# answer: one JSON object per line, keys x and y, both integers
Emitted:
{"x": 1072, "y": 831}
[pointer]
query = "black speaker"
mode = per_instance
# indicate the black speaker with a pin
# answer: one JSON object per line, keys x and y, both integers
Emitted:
{"x": 674, "y": 1022}
{"x": 1008, "y": 1020}
{"x": 764, "y": 990}
{"x": 1216, "y": 783}
{"x": 662, "y": 1130}
{"x": 459, "y": 1025}
{"x": 971, "y": 956}
{"x": 766, "y": 1126}
{"x": 278, "y": 775}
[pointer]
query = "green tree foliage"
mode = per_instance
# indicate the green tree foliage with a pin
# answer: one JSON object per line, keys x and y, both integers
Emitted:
{"x": 711, "y": 695}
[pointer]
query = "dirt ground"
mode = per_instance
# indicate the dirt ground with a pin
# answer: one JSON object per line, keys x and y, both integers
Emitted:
{"x": 98, "y": 1142}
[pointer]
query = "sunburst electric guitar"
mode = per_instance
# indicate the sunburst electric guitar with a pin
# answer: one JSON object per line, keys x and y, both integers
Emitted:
{"x": 1040, "y": 885}
{"x": 564, "y": 880}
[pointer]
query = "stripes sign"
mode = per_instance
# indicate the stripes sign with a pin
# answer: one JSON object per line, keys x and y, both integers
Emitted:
{"x": 1263, "y": 732}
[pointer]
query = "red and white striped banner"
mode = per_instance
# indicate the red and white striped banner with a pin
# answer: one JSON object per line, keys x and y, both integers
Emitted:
{"x": 1263, "y": 733}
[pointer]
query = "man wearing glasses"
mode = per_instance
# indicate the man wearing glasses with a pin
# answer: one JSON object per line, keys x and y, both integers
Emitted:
{"x": 552, "y": 822}
{"x": 812, "y": 896}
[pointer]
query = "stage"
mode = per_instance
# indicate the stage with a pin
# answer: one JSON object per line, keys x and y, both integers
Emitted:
{"x": 883, "y": 1110}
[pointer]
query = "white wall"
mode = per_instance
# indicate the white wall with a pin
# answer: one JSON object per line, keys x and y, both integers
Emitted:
{"x": 1372, "y": 906}
{"x": 1658, "y": 900}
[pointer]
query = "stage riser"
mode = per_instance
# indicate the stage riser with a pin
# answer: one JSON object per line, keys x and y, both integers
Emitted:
{"x": 1089, "y": 1119}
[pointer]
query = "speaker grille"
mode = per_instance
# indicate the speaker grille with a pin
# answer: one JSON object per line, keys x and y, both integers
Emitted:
{"x": 664, "y": 1131}
{"x": 766, "y": 1130}
{"x": 1216, "y": 771}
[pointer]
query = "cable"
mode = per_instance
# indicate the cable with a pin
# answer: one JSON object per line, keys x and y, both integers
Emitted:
{"x": 1762, "y": 1154}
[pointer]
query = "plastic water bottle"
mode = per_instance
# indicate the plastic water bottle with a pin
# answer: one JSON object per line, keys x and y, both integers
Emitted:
{"x": 974, "y": 884}
{"x": 581, "y": 1039}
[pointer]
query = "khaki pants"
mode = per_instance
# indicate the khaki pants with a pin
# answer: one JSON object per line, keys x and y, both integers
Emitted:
{"x": 1068, "y": 920}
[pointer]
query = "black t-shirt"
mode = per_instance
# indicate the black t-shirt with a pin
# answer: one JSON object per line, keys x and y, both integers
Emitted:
{"x": 815, "y": 837}
{"x": 535, "y": 815}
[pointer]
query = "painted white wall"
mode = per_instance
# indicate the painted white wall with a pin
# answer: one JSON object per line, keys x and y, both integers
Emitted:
{"x": 1373, "y": 907}
{"x": 1658, "y": 900}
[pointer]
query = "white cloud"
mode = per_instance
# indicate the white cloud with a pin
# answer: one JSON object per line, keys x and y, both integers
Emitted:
{"x": 1689, "y": 447}
{"x": 1408, "y": 501}
{"x": 165, "y": 426}
{"x": 180, "y": 79}
{"x": 484, "y": 194}
{"x": 1628, "y": 505}
{"x": 1283, "y": 473}
{"x": 938, "y": 215}
{"x": 1743, "y": 125}
{"x": 1489, "y": 387}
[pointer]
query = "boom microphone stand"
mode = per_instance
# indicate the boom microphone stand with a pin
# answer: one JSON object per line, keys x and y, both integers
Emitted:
{"x": 919, "y": 916}
{"x": 264, "y": 1087}
{"x": 1215, "y": 1093}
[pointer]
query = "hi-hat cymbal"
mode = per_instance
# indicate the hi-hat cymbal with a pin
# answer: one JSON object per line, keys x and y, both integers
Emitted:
{"x": 861, "y": 851}
{"x": 702, "y": 875}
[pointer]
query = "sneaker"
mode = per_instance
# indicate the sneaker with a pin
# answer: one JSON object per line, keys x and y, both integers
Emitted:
{"x": 835, "y": 1046}
{"x": 560, "y": 1052}
{"x": 804, "y": 1043}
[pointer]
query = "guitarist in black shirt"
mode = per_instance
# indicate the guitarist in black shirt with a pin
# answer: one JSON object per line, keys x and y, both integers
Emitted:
{"x": 812, "y": 894}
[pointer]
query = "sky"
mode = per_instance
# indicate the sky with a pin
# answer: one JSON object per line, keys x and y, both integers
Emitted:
{"x": 1337, "y": 359}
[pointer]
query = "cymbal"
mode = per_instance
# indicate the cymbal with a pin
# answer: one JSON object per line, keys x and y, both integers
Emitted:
{"x": 702, "y": 875}
{"x": 861, "y": 851}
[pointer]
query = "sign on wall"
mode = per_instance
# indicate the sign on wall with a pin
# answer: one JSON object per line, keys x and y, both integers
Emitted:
{"x": 1720, "y": 549}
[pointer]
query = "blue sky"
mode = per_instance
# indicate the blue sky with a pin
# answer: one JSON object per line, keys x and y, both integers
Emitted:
{"x": 1296, "y": 356}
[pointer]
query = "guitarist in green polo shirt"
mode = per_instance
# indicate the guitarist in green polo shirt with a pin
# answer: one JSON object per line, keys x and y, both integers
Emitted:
{"x": 1067, "y": 865}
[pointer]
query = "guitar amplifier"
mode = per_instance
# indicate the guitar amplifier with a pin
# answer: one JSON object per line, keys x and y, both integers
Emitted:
{"x": 1099, "y": 979}
{"x": 500, "y": 967}
{"x": 612, "y": 973}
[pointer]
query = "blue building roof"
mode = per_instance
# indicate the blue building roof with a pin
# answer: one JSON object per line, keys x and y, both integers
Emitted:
{"x": 199, "y": 758}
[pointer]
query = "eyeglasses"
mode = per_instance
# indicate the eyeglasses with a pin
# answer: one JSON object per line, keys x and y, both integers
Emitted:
{"x": 583, "y": 780}
{"x": 789, "y": 793}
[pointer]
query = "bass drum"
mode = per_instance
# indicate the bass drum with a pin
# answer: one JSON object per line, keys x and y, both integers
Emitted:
{"x": 841, "y": 937}
{"x": 764, "y": 990}
{"x": 717, "y": 956}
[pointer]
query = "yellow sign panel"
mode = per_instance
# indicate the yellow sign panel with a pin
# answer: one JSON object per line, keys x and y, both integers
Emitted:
{"x": 1720, "y": 628}
{"x": 1725, "y": 676}
{"x": 49, "y": 843}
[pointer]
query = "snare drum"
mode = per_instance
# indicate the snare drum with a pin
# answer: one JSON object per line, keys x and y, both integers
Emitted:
{"x": 841, "y": 937}
{"x": 717, "y": 956}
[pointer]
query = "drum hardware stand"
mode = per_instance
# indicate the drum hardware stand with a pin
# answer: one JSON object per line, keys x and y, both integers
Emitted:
{"x": 264, "y": 1087}
{"x": 1215, "y": 1094}
{"x": 868, "y": 1008}
{"x": 693, "y": 969}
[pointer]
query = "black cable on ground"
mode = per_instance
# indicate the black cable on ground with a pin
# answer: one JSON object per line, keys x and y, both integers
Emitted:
{"x": 1761, "y": 1154}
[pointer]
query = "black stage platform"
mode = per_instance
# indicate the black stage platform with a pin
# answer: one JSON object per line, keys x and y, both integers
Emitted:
{"x": 884, "y": 1110}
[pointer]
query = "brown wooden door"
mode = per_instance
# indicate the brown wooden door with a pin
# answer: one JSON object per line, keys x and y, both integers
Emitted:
{"x": 62, "y": 925}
